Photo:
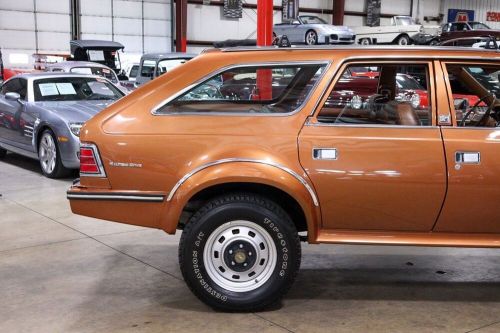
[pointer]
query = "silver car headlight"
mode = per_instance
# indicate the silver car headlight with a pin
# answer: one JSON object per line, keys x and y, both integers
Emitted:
{"x": 75, "y": 128}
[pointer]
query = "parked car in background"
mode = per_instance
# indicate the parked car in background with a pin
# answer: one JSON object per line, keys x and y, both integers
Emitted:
{"x": 132, "y": 71}
{"x": 153, "y": 65}
{"x": 103, "y": 52}
{"x": 468, "y": 31}
{"x": 86, "y": 67}
{"x": 311, "y": 30}
{"x": 41, "y": 116}
{"x": 247, "y": 175}
{"x": 401, "y": 31}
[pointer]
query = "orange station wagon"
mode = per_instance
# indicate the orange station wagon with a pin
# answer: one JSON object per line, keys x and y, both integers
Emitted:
{"x": 249, "y": 151}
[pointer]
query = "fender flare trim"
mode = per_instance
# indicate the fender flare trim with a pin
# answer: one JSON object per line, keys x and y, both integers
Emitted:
{"x": 245, "y": 160}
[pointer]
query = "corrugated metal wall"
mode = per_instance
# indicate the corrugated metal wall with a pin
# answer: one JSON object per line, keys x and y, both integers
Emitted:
{"x": 30, "y": 25}
{"x": 481, "y": 7}
{"x": 44, "y": 26}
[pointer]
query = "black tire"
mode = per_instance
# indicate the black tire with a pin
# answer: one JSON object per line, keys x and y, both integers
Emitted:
{"x": 3, "y": 152}
{"x": 403, "y": 40}
{"x": 58, "y": 171}
{"x": 434, "y": 42}
{"x": 311, "y": 37}
{"x": 202, "y": 229}
{"x": 365, "y": 41}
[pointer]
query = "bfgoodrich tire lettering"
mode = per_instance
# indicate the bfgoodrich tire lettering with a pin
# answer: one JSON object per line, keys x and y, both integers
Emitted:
{"x": 251, "y": 214}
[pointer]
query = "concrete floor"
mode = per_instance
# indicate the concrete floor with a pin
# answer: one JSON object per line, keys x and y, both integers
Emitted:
{"x": 65, "y": 273}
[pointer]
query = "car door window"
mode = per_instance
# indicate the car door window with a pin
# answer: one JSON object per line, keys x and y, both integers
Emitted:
{"x": 475, "y": 89}
{"x": 384, "y": 94}
{"x": 16, "y": 85}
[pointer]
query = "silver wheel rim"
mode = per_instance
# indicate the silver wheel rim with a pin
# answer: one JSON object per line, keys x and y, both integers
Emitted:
{"x": 47, "y": 153}
{"x": 365, "y": 42}
{"x": 220, "y": 264}
{"x": 311, "y": 38}
{"x": 403, "y": 41}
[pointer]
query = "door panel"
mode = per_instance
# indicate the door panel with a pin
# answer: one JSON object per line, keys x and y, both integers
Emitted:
{"x": 473, "y": 188}
{"x": 383, "y": 178}
{"x": 11, "y": 131}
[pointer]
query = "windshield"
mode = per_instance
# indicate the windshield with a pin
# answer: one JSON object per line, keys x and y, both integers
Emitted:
{"x": 74, "y": 89}
{"x": 312, "y": 20}
{"x": 407, "y": 82}
{"x": 166, "y": 65}
{"x": 134, "y": 71}
{"x": 104, "y": 72}
{"x": 148, "y": 68}
{"x": 478, "y": 26}
{"x": 404, "y": 21}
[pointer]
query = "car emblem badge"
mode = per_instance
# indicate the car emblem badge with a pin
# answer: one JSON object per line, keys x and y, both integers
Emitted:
{"x": 125, "y": 164}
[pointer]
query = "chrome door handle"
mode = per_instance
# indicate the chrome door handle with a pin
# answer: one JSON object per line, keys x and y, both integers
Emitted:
{"x": 325, "y": 154}
{"x": 467, "y": 157}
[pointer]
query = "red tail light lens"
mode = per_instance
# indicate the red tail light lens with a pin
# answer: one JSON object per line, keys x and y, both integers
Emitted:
{"x": 90, "y": 162}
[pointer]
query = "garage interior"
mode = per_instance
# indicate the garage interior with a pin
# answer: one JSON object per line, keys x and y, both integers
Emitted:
{"x": 61, "y": 272}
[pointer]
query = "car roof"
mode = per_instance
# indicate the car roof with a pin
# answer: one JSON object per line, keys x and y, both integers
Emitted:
{"x": 366, "y": 50}
{"x": 73, "y": 64}
{"x": 96, "y": 44}
{"x": 167, "y": 55}
{"x": 47, "y": 75}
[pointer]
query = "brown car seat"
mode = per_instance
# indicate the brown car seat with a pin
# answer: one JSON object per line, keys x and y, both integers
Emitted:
{"x": 402, "y": 113}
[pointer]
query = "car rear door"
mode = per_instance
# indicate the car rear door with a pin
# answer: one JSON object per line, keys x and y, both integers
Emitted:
{"x": 472, "y": 152}
{"x": 12, "y": 126}
{"x": 372, "y": 172}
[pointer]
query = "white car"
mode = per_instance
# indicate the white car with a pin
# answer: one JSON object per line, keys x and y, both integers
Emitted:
{"x": 401, "y": 31}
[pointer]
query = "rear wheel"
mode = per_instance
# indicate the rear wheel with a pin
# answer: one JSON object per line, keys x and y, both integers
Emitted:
{"x": 403, "y": 40}
{"x": 3, "y": 152}
{"x": 311, "y": 37}
{"x": 49, "y": 156}
{"x": 240, "y": 252}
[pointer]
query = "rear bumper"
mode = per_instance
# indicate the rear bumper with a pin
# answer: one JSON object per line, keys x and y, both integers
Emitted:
{"x": 130, "y": 207}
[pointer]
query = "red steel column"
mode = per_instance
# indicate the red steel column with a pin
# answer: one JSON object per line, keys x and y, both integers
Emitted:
{"x": 180, "y": 25}
{"x": 264, "y": 38}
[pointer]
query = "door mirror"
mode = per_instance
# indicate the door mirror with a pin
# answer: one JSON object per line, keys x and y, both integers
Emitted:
{"x": 12, "y": 96}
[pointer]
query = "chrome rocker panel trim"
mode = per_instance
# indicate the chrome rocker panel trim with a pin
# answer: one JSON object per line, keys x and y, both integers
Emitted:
{"x": 115, "y": 197}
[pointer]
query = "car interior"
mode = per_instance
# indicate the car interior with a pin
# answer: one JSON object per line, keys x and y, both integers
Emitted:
{"x": 382, "y": 104}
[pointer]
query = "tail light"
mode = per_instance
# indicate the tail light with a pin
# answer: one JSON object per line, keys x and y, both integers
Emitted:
{"x": 90, "y": 161}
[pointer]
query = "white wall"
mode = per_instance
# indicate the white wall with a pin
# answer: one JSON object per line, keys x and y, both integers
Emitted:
{"x": 29, "y": 26}
{"x": 142, "y": 26}
{"x": 44, "y": 26}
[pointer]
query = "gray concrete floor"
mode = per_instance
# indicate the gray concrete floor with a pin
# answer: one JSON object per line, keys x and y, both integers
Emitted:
{"x": 65, "y": 273}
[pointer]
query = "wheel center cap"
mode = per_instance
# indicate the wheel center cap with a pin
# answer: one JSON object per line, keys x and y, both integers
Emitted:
{"x": 240, "y": 257}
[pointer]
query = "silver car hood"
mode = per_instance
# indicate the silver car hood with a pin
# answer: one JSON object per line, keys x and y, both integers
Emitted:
{"x": 76, "y": 111}
{"x": 333, "y": 27}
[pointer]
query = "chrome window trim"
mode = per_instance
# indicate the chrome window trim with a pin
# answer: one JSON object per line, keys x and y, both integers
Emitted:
{"x": 156, "y": 109}
{"x": 319, "y": 124}
{"x": 97, "y": 156}
{"x": 120, "y": 197}
{"x": 245, "y": 160}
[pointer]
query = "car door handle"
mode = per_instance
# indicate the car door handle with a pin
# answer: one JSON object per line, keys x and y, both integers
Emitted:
{"x": 325, "y": 154}
{"x": 467, "y": 157}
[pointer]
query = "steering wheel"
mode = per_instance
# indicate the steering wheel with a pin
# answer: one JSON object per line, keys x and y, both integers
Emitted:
{"x": 474, "y": 109}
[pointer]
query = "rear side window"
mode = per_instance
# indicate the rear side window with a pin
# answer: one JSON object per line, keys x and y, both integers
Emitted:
{"x": 384, "y": 94}
{"x": 251, "y": 89}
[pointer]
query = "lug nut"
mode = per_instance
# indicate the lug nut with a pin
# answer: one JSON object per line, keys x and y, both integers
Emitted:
{"x": 249, "y": 253}
{"x": 230, "y": 251}
{"x": 233, "y": 263}
{"x": 241, "y": 246}
{"x": 245, "y": 265}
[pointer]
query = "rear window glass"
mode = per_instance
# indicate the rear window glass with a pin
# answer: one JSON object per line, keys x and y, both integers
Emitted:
{"x": 250, "y": 89}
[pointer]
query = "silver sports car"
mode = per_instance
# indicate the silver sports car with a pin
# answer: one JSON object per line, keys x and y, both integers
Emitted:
{"x": 312, "y": 30}
{"x": 41, "y": 116}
